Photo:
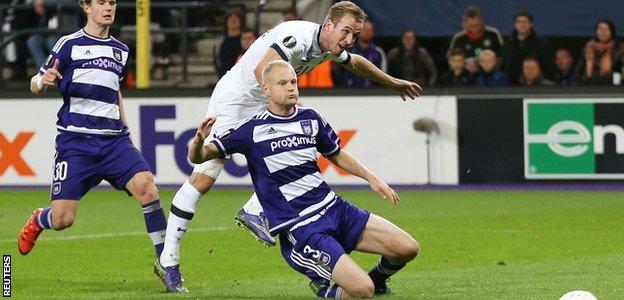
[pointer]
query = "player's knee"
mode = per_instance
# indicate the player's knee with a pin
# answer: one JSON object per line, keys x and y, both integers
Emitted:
{"x": 407, "y": 249}
{"x": 146, "y": 190}
{"x": 202, "y": 183}
{"x": 364, "y": 289}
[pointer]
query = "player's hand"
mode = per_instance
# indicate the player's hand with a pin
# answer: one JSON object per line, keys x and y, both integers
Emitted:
{"x": 406, "y": 88}
{"x": 384, "y": 191}
{"x": 51, "y": 74}
{"x": 204, "y": 129}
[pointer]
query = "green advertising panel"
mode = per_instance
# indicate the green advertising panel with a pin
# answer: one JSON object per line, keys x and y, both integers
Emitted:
{"x": 564, "y": 139}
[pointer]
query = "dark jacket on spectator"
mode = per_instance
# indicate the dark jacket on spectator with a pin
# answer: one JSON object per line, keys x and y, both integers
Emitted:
{"x": 565, "y": 79}
{"x": 515, "y": 51}
{"x": 539, "y": 82}
{"x": 417, "y": 66}
{"x": 494, "y": 78}
{"x": 464, "y": 79}
{"x": 374, "y": 54}
{"x": 473, "y": 45}
{"x": 229, "y": 49}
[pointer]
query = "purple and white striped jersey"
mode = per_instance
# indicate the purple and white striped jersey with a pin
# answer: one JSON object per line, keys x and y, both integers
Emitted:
{"x": 92, "y": 69}
{"x": 281, "y": 154}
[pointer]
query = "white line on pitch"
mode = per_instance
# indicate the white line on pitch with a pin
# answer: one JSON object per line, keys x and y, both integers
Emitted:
{"x": 111, "y": 234}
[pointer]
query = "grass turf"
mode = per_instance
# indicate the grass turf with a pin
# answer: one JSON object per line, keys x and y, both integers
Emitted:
{"x": 475, "y": 245}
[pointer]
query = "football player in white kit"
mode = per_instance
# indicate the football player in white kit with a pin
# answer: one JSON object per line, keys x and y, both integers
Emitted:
{"x": 238, "y": 96}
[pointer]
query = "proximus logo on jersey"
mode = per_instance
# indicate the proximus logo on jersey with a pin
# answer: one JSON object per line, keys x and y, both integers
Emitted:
{"x": 574, "y": 139}
{"x": 292, "y": 142}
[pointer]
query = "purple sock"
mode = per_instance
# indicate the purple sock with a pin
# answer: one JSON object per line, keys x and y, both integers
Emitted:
{"x": 45, "y": 218}
{"x": 156, "y": 224}
{"x": 330, "y": 292}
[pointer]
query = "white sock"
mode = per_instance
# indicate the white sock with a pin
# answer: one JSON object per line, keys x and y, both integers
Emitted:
{"x": 182, "y": 211}
{"x": 253, "y": 206}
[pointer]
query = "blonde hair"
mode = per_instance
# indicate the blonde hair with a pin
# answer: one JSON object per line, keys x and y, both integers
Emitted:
{"x": 270, "y": 66}
{"x": 338, "y": 10}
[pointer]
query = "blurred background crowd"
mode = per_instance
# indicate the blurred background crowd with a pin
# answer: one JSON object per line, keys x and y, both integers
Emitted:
{"x": 193, "y": 44}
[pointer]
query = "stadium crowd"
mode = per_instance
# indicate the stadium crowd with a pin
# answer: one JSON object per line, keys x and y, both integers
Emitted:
{"x": 478, "y": 55}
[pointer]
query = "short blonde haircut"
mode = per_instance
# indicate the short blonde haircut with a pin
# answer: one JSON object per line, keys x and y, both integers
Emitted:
{"x": 272, "y": 65}
{"x": 340, "y": 9}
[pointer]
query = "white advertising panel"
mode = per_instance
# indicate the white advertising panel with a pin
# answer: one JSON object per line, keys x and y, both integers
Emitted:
{"x": 378, "y": 130}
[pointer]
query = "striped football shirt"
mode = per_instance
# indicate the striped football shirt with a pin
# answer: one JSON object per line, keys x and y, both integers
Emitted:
{"x": 92, "y": 69}
{"x": 281, "y": 154}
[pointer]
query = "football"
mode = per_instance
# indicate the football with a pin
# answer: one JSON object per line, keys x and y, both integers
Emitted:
{"x": 578, "y": 295}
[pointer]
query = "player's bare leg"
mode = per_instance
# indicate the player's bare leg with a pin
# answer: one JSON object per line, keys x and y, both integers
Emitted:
{"x": 43, "y": 218}
{"x": 351, "y": 279}
{"x": 396, "y": 247}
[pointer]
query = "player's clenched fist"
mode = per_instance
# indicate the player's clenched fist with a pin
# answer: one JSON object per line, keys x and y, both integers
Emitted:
{"x": 40, "y": 82}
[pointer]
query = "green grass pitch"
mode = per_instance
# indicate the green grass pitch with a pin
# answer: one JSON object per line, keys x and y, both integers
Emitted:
{"x": 475, "y": 245}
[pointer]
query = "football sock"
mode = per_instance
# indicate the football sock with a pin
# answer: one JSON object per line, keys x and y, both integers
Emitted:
{"x": 182, "y": 211}
{"x": 155, "y": 223}
{"x": 384, "y": 269}
{"x": 253, "y": 206}
{"x": 333, "y": 291}
{"x": 45, "y": 218}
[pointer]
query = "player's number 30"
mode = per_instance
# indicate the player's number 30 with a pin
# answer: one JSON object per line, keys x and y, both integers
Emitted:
{"x": 60, "y": 171}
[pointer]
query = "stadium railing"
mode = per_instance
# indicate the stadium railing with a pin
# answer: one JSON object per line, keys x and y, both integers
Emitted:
{"x": 183, "y": 31}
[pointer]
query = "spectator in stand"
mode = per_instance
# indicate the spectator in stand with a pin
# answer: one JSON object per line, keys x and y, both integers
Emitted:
{"x": 248, "y": 36}
{"x": 40, "y": 44}
{"x": 457, "y": 75}
{"x": 16, "y": 52}
{"x": 525, "y": 42}
{"x": 601, "y": 56}
{"x": 161, "y": 43}
{"x": 230, "y": 45}
{"x": 490, "y": 75}
{"x": 476, "y": 37}
{"x": 411, "y": 62}
{"x": 532, "y": 74}
{"x": 366, "y": 48}
{"x": 565, "y": 67}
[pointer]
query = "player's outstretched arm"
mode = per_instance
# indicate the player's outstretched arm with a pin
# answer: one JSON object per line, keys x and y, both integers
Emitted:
{"x": 198, "y": 153}
{"x": 41, "y": 82}
{"x": 362, "y": 67}
{"x": 349, "y": 163}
